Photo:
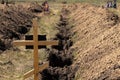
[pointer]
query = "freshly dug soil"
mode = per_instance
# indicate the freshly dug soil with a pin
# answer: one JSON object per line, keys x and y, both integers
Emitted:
{"x": 61, "y": 57}
{"x": 15, "y": 21}
{"x": 96, "y": 34}
{"x": 35, "y": 7}
{"x": 57, "y": 73}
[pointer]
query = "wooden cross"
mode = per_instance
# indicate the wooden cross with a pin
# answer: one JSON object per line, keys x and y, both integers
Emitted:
{"x": 35, "y": 44}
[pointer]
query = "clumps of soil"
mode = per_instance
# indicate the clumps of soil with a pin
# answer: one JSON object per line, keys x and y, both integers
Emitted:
{"x": 61, "y": 57}
{"x": 15, "y": 21}
{"x": 114, "y": 18}
{"x": 57, "y": 73}
{"x": 110, "y": 74}
{"x": 36, "y": 8}
{"x": 2, "y": 45}
{"x": 65, "y": 11}
{"x": 97, "y": 41}
{"x": 64, "y": 2}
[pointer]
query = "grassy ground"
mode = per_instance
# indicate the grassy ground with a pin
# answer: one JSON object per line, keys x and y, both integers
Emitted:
{"x": 14, "y": 63}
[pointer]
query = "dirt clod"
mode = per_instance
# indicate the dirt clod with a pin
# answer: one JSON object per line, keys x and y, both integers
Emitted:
{"x": 15, "y": 21}
{"x": 61, "y": 57}
{"x": 56, "y": 73}
{"x": 35, "y": 7}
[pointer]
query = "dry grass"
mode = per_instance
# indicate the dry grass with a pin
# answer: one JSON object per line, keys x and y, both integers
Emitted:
{"x": 14, "y": 63}
{"x": 97, "y": 43}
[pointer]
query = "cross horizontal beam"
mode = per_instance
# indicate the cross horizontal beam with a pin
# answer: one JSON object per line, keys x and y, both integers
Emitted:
{"x": 35, "y": 42}
{"x": 30, "y": 42}
{"x": 42, "y": 67}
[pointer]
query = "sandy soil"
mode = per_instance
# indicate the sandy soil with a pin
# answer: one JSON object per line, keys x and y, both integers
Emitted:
{"x": 97, "y": 42}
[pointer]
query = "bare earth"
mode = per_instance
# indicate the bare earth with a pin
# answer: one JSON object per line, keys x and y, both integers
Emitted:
{"x": 96, "y": 38}
{"x": 97, "y": 42}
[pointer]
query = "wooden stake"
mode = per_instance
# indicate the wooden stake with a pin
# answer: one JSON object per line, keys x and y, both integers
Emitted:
{"x": 36, "y": 59}
{"x": 35, "y": 43}
{"x": 31, "y": 72}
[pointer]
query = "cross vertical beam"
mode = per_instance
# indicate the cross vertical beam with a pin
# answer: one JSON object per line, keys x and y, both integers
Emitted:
{"x": 36, "y": 59}
{"x": 35, "y": 42}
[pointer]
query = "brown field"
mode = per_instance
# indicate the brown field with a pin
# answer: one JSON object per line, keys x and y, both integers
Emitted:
{"x": 89, "y": 47}
{"x": 96, "y": 37}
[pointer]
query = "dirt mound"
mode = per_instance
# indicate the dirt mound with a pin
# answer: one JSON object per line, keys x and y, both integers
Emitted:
{"x": 114, "y": 18}
{"x": 61, "y": 57}
{"x": 14, "y": 22}
{"x": 56, "y": 73}
{"x": 97, "y": 42}
{"x": 35, "y": 7}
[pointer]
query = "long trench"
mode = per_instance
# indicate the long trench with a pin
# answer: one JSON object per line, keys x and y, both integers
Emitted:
{"x": 61, "y": 57}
